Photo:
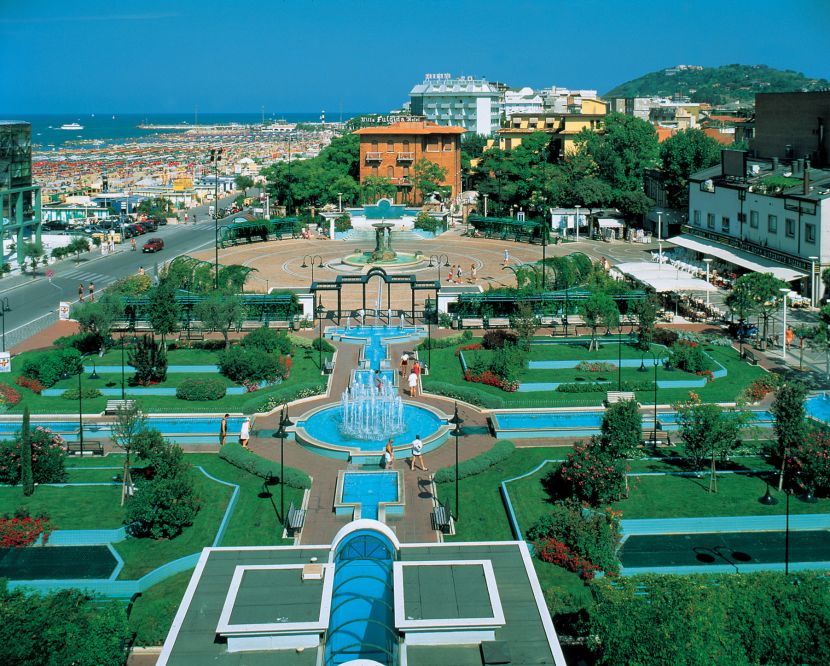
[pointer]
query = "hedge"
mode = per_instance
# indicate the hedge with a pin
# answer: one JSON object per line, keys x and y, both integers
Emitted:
{"x": 200, "y": 388}
{"x": 481, "y": 463}
{"x": 87, "y": 393}
{"x": 443, "y": 343}
{"x": 326, "y": 346}
{"x": 282, "y": 395}
{"x": 249, "y": 461}
{"x": 465, "y": 394}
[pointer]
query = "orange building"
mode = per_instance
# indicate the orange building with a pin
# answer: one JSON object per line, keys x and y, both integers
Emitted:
{"x": 392, "y": 151}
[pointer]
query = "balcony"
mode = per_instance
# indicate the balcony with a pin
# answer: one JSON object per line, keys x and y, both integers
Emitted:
{"x": 406, "y": 157}
{"x": 374, "y": 157}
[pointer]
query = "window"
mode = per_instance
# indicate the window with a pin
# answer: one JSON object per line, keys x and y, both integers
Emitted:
{"x": 789, "y": 227}
{"x": 433, "y": 145}
{"x": 406, "y": 172}
{"x": 374, "y": 146}
{"x": 390, "y": 147}
{"x": 448, "y": 144}
{"x": 710, "y": 220}
{"x": 810, "y": 233}
{"x": 724, "y": 225}
{"x": 772, "y": 224}
{"x": 696, "y": 218}
{"x": 405, "y": 148}
{"x": 390, "y": 172}
{"x": 753, "y": 219}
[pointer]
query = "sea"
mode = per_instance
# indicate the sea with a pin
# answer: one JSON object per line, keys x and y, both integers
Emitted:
{"x": 123, "y": 127}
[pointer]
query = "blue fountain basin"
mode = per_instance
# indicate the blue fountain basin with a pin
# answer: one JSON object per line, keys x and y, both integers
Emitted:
{"x": 319, "y": 431}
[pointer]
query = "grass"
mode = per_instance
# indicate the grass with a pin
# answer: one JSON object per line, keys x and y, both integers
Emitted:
{"x": 446, "y": 368}
{"x": 304, "y": 370}
{"x": 154, "y": 610}
{"x": 70, "y": 508}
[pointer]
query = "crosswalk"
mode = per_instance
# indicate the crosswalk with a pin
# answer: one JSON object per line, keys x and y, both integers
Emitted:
{"x": 87, "y": 277}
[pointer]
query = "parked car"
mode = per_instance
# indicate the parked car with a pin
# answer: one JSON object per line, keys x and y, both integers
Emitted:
{"x": 149, "y": 223}
{"x": 153, "y": 245}
{"x": 139, "y": 229}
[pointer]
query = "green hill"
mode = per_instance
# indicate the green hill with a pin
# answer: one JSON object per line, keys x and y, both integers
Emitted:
{"x": 717, "y": 85}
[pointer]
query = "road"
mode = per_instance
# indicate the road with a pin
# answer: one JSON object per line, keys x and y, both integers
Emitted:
{"x": 34, "y": 301}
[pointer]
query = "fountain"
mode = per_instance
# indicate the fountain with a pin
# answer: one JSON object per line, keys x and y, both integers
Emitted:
{"x": 371, "y": 414}
{"x": 383, "y": 254}
{"x": 383, "y": 243}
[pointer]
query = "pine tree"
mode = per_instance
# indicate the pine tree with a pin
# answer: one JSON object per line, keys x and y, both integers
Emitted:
{"x": 26, "y": 475}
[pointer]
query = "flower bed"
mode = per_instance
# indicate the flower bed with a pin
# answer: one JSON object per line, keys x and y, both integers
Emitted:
{"x": 491, "y": 379}
{"x": 469, "y": 347}
{"x": 34, "y": 385}
{"x": 554, "y": 551}
{"x": 595, "y": 366}
{"x": 8, "y": 396}
{"x": 20, "y": 531}
{"x": 810, "y": 463}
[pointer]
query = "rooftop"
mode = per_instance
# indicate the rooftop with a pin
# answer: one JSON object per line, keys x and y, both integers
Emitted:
{"x": 420, "y": 127}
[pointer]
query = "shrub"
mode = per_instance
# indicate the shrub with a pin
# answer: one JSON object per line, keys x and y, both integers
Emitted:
{"x": 49, "y": 367}
{"x": 589, "y": 474}
{"x": 595, "y": 366}
{"x": 465, "y": 394}
{"x": 590, "y": 538}
{"x": 810, "y": 463}
{"x": 343, "y": 222}
{"x": 249, "y": 461}
{"x": 21, "y": 529}
{"x": 502, "y": 450}
{"x": 9, "y": 397}
{"x": 87, "y": 394}
{"x": 162, "y": 507}
{"x": 164, "y": 460}
{"x": 427, "y": 222}
{"x": 759, "y": 388}
{"x": 86, "y": 343}
{"x": 321, "y": 343}
{"x": 239, "y": 364}
{"x": 498, "y": 338}
{"x": 687, "y": 356}
{"x": 443, "y": 343}
{"x": 48, "y": 454}
{"x": 268, "y": 340}
{"x": 33, "y": 385}
{"x": 665, "y": 336}
{"x": 209, "y": 345}
{"x": 149, "y": 359}
{"x": 200, "y": 388}
{"x": 278, "y": 397}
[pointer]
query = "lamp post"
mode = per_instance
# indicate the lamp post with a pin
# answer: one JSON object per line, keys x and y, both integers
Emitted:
{"x": 660, "y": 238}
{"x": 642, "y": 368}
{"x": 320, "y": 311}
{"x": 339, "y": 202}
{"x": 4, "y": 308}
{"x": 544, "y": 248}
{"x": 122, "y": 366}
{"x": 708, "y": 262}
{"x": 619, "y": 358}
{"x": 456, "y": 432}
{"x": 813, "y": 299}
{"x": 784, "y": 292}
{"x": 576, "y": 222}
{"x": 437, "y": 265}
{"x": 285, "y": 421}
{"x": 215, "y": 158}
{"x": 485, "y": 204}
{"x": 289, "y": 200}
{"x": 312, "y": 258}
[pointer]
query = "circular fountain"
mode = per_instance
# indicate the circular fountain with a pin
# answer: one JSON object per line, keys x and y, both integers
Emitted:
{"x": 383, "y": 254}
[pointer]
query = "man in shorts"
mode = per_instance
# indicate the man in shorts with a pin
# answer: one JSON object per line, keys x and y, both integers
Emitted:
{"x": 417, "y": 456}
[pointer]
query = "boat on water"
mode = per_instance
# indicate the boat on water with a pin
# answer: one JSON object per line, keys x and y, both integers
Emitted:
{"x": 71, "y": 126}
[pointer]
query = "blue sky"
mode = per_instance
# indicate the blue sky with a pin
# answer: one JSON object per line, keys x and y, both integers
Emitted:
{"x": 365, "y": 55}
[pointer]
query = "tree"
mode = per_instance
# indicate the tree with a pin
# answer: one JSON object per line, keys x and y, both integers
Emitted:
{"x": 526, "y": 325}
{"x": 599, "y": 309}
{"x": 77, "y": 246}
{"x": 622, "y": 429}
{"x": 98, "y": 317}
{"x": 708, "y": 430}
{"x": 427, "y": 177}
{"x": 762, "y": 291}
{"x": 149, "y": 360}
{"x": 634, "y": 205}
{"x": 164, "y": 311}
{"x": 646, "y": 311}
{"x": 130, "y": 422}
{"x": 219, "y": 312}
{"x": 32, "y": 251}
{"x": 472, "y": 147}
{"x": 790, "y": 421}
{"x": 155, "y": 207}
{"x": 26, "y": 475}
{"x": 377, "y": 187}
{"x": 683, "y": 154}
{"x": 804, "y": 333}
{"x": 243, "y": 183}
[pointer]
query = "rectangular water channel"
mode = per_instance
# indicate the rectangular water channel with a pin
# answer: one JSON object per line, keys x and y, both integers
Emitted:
{"x": 369, "y": 494}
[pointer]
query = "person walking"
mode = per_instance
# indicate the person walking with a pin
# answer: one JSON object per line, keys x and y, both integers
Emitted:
{"x": 185, "y": 218}
{"x": 81, "y": 292}
{"x": 458, "y": 274}
{"x": 91, "y": 291}
{"x": 473, "y": 274}
{"x": 416, "y": 368}
{"x": 417, "y": 454}
{"x": 506, "y": 257}
{"x": 412, "y": 380}
{"x": 223, "y": 430}
{"x": 451, "y": 273}
{"x": 245, "y": 432}
{"x": 388, "y": 455}
{"x": 404, "y": 363}
{"x": 132, "y": 244}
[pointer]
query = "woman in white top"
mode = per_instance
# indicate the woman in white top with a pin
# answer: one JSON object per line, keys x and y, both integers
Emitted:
{"x": 412, "y": 380}
{"x": 245, "y": 432}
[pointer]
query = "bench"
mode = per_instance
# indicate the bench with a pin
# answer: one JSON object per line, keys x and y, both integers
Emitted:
{"x": 279, "y": 324}
{"x": 248, "y": 325}
{"x": 441, "y": 519}
{"x": 663, "y": 437}
{"x": 750, "y": 358}
{"x": 141, "y": 325}
{"x": 193, "y": 331}
{"x": 114, "y": 405}
{"x": 498, "y": 322}
{"x": 548, "y": 320}
{"x": 614, "y": 397}
{"x": 94, "y": 447}
{"x": 472, "y": 322}
{"x": 328, "y": 367}
{"x": 295, "y": 519}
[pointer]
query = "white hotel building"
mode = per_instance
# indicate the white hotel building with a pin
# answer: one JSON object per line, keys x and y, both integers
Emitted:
{"x": 468, "y": 102}
{"x": 775, "y": 218}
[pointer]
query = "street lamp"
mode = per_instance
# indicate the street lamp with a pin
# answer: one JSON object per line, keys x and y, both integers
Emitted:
{"x": 320, "y": 311}
{"x": 437, "y": 265}
{"x": 544, "y": 249}
{"x": 456, "y": 432}
{"x": 311, "y": 258}
{"x": 80, "y": 404}
{"x": 215, "y": 158}
{"x": 285, "y": 421}
{"x": 576, "y": 222}
{"x": 784, "y": 291}
{"x": 4, "y": 308}
{"x": 813, "y": 299}
{"x": 642, "y": 368}
{"x": 485, "y": 204}
{"x": 708, "y": 262}
{"x": 339, "y": 202}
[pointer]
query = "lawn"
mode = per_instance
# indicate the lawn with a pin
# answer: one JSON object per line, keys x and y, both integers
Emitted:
{"x": 446, "y": 369}
{"x": 304, "y": 371}
{"x": 154, "y": 610}
{"x": 70, "y": 508}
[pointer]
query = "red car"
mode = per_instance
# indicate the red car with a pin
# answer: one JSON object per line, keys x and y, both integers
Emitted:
{"x": 153, "y": 245}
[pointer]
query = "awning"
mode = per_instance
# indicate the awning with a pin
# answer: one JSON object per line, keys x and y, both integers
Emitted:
{"x": 610, "y": 224}
{"x": 663, "y": 278}
{"x": 751, "y": 262}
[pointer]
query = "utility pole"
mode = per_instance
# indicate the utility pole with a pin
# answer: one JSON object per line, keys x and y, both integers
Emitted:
{"x": 215, "y": 157}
